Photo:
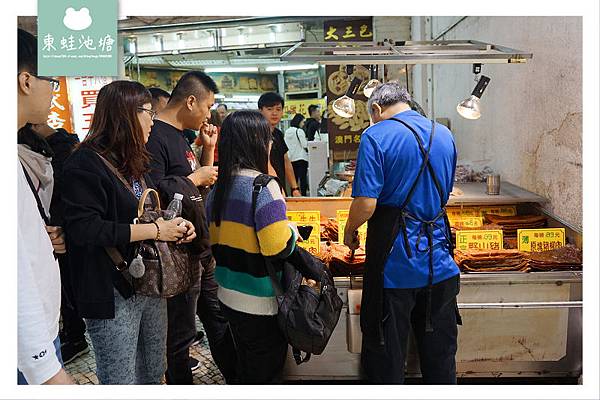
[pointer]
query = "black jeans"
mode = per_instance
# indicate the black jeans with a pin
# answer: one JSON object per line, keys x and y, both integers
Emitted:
{"x": 181, "y": 332}
{"x": 260, "y": 346}
{"x": 73, "y": 328}
{"x": 403, "y": 308}
{"x": 216, "y": 326}
{"x": 181, "y": 310}
{"x": 301, "y": 172}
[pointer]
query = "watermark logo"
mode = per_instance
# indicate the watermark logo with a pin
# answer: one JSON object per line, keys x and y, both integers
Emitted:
{"x": 77, "y": 37}
{"x": 77, "y": 20}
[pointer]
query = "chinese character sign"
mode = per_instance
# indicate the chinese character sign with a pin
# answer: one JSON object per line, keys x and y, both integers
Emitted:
{"x": 466, "y": 222}
{"x": 311, "y": 218}
{"x": 479, "y": 240}
{"x": 60, "y": 109}
{"x": 83, "y": 92}
{"x": 77, "y": 38}
{"x": 352, "y": 30}
{"x": 505, "y": 211}
{"x": 535, "y": 240}
{"x": 293, "y": 107}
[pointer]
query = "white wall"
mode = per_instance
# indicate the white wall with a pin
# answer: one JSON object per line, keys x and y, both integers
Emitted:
{"x": 531, "y": 126}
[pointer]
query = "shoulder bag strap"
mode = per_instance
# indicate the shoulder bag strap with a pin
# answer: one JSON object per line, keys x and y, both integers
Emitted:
{"x": 116, "y": 172}
{"x": 114, "y": 254}
{"x": 36, "y": 195}
{"x": 300, "y": 142}
{"x": 261, "y": 182}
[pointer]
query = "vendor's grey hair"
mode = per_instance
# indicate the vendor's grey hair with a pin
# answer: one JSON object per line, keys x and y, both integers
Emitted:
{"x": 388, "y": 94}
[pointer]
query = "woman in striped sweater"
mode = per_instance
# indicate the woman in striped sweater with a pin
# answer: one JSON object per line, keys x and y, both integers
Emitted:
{"x": 241, "y": 239}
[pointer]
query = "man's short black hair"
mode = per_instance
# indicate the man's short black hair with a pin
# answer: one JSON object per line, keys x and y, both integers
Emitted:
{"x": 192, "y": 83}
{"x": 270, "y": 99}
{"x": 223, "y": 105}
{"x": 27, "y": 54}
{"x": 158, "y": 93}
{"x": 312, "y": 108}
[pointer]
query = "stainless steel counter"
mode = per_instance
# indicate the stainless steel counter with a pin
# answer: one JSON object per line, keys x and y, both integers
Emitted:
{"x": 514, "y": 324}
{"x": 474, "y": 194}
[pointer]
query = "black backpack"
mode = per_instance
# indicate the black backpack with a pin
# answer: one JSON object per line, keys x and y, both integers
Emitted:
{"x": 306, "y": 316}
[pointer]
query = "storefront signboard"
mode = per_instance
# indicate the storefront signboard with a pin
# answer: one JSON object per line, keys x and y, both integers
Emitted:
{"x": 83, "y": 92}
{"x": 60, "y": 109}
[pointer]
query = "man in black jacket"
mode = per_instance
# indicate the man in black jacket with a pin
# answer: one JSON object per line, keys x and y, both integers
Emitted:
{"x": 175, "y": 169}
{"x": 313, "y": 124}
{"x": 62, "y": 144}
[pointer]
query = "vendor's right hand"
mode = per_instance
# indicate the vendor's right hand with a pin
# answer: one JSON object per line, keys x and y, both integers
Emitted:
{"x": 204, "y": 176}
{"x": 170, "y": 231}
{"x": 351, "y": 239}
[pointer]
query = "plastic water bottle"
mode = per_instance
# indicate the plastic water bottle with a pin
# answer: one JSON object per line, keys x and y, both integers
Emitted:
{"x": 174, "y": 209}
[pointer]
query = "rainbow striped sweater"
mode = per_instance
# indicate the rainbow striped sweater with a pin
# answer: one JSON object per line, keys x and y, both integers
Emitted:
{"x": 242, "y": 240}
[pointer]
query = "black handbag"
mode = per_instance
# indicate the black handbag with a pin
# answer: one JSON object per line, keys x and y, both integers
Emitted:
{"x": 306, "y": 315}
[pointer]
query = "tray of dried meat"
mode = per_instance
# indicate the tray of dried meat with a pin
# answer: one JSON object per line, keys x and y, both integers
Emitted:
{"x": 567, "y": 258}
{"x": 341, "y": 261}
{"x": 490, "y": 260}
{"x": 510, "y": 224}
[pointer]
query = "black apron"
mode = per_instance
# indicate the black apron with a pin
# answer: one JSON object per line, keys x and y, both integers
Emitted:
{"x": 383, "y": 228}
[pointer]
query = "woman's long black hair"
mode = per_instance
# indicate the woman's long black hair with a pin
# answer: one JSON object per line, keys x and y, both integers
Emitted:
{"x": 244, "y": 143}
{"x": 298, "y": 118}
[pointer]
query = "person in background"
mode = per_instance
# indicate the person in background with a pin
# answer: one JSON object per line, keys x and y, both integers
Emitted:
{"x": 313, "y": 123}
{"x": 295, "y": 139}
{"x": 323, "y": 136}
{"x": 38, "y": 276}
{"x": 404, "y": 175}
{"x": 160, "y": 98}
{"x": 175, "y": 169}
{"x": 270, "y": 106}
{"x": 223, "y": 111}
{"x": 72, "y": 335}
{"x": 128, "y": 330}
{"x": 215, "y": 119}
{"x": 241, "y": 239}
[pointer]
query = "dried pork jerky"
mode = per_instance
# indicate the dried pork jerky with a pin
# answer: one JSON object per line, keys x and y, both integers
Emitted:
{"x": 564, "y": 258}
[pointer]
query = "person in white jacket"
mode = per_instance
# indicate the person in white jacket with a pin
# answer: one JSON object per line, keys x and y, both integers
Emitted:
{"x": 295, "y": 139}
{"x": 38, "y": 276}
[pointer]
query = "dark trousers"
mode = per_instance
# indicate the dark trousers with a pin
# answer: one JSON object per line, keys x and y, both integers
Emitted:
{"x": 216, "y": 326}
{"x": 403, "y": 309}
{"x": 301, "y": 172}
{"x": 73, "y": 328}
{"x": 181, "y": 331}
{"x": 181, "y": 310}
{"x": 260, "y": 346}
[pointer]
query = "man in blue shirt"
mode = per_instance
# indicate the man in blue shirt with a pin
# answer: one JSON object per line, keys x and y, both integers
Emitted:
{"x": 404, "y": 176}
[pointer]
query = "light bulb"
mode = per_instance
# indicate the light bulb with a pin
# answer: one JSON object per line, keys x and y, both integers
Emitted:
{"x": 344, "y": 107}
{"x": 370, "y": 86}
{"x": 469, "y": 108}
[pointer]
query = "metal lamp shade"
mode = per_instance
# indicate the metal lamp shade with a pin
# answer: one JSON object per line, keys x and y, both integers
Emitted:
{"x": 469, "y": 108}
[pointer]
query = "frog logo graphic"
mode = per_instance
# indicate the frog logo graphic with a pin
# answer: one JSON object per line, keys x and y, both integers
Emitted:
{"x": 77, "y": 20}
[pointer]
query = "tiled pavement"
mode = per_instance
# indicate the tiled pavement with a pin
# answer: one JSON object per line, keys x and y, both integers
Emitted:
{"x": 83, "y": 368}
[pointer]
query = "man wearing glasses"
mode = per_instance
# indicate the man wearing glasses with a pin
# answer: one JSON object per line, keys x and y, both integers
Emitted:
{"x": 38, "y": 278}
